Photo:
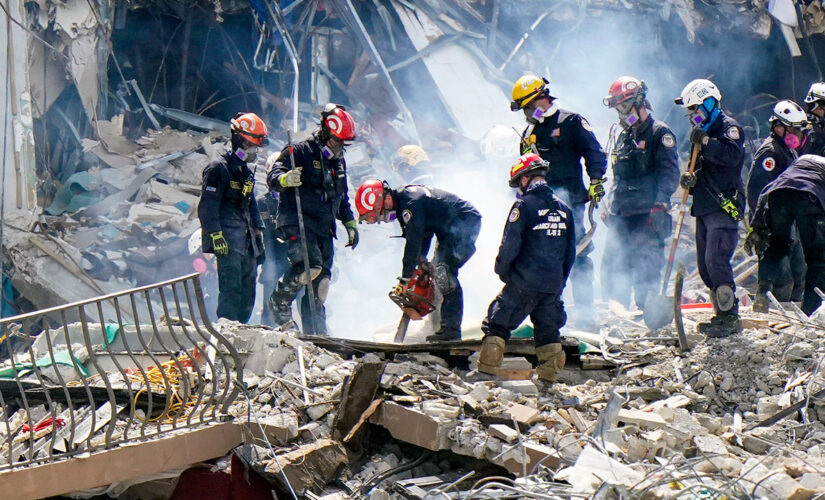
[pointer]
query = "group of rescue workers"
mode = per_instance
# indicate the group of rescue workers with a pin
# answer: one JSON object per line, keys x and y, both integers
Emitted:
{"x": 295, "y": 222}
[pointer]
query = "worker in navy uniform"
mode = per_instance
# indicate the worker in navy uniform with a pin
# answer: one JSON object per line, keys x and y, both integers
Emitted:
{"x": 424, "y": 212}
{"x": 815, "y": 102}
{"x": 230, "y": 222}
{"x": 563, "y": 138}
{"x": 537, "y": 252}
{"x": 718, "y": 199}
{"x": 645, "y": 175}
{"x": 796, "y": 198}
{"x": 320, "y": 173}
{"x": 789, "y": 135}
{"x": 276, "y": 263}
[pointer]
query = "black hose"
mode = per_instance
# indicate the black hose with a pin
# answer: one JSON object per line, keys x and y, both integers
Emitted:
{"x": 381, "y": 476}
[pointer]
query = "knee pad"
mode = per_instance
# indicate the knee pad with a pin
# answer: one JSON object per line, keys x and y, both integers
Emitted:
{"x": 445, "y": 280}
{"x": 725, "y": 298}
{"x": 314, "y": 272}
{"x": 323, "y": 290}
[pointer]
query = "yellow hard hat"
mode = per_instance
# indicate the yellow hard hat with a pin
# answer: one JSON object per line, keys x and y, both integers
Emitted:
{"x": 527, "y": 88}
{"x": 410, "y": 154}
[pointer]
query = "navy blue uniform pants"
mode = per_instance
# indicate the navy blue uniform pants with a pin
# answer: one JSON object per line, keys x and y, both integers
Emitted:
{"x": 788, "y": 284}
{"x": 581, "y": 276}
{"x": 272, "y": 269}
{"x": 789, "y": 208}
{"x": 452, "y": 252}
{"x": 320, "y": 251}
{"x": 513, "y": 304}
{"x": 236, "y": 285}
{"x": 633, "y": 258}
{"x": 716, "y": 238}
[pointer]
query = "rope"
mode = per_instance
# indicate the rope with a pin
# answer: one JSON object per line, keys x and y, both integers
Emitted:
{"x": 177, "y": 408}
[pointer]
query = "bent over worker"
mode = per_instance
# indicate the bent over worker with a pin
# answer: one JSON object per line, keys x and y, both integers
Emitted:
{"x": 424, "y": 212}
{"x": 534, "y": 260}
{"x": 230, "y": 222}
{"x": 796, "y": 198}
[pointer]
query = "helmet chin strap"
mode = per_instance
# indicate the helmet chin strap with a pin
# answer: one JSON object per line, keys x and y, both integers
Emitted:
{"x": 538, "y": 115}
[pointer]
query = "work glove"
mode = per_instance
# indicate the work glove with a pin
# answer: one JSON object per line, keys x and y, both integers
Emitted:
{"x": 687, "y": 180}
{"x": 699, "y": 137}
{"x": 259, "y": 242}
{"x": 352, "y": 233}
{"x": 219, "y": 244}
{"x": 291, "y": 179}
{"x": 660, "y": 221}
{"x": 596, "y": 191}
{"x": 401, "y": 287}
{"x": 756, "y": 241}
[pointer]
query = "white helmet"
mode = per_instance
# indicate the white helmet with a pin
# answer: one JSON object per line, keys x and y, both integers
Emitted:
{"x": 194, "y": 243}
{"x": 815, "y": 93}
{"x": 500, "y": 141}
{"x": 696, "y": 92}
{"x": 789, "y": 114}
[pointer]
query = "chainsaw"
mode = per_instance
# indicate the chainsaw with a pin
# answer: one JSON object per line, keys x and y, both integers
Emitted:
{"x": 416, "y": 301}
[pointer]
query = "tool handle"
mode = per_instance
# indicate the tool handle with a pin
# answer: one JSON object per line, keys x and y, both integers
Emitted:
{"x": 694, "y": 154}
{"x": 303, "y": 234}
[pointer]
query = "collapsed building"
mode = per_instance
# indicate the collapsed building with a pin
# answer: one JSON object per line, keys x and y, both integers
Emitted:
{"x": 113, "y": 109}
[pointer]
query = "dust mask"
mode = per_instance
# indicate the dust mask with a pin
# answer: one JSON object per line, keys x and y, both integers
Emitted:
{"x": 629, "y": 119}
{"x": 792, "y": 141}
{"x": 247, "y": 154}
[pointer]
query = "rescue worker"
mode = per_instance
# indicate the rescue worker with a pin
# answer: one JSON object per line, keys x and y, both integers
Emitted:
{"x": 412, "y": 165}
{"x": 789, "y": 126}
{"x": 645, "y": 175}
{"x": 563, "y": 138}
{"x": 276, "y": 263}
{"x": 795, "y": 198}
{"x": 537, "y": 252}
{"x": 718, "y": 199}
{"x": 230, "y": 222}
{"x": 815, "y": 102}
{"x": 424, "y": 212}
{"x": 316, "y": 167}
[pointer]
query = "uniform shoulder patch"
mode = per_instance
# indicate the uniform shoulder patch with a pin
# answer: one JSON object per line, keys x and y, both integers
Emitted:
{"x": 406, "y": 215}
{"x": 211, "y": 189}
{"x": 733, "y": 133}
{"x": 668, "y": 140}
{"x": 514, "y": 214}
{"x": 586, "y": 125}
{"x": 316, "y": 164}
{"x": 769, "y": 164}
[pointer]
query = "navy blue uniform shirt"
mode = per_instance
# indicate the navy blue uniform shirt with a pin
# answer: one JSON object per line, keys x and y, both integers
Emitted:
{"x": 223, "y": 207}
{"x": 563, "y": 139}
{"x": 423, "y": 212}
{"x": 539, "y": 244}
{"x": 720, "y": 164}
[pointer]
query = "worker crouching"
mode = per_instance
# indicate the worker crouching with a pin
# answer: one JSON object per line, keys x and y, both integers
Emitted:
{"x": 424, "y": 212}
{"x": 534, "y": 261}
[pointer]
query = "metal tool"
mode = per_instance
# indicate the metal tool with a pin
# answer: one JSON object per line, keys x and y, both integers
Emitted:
{"x": 588, "y": 236}
{"x": 302, "y": 232}
{"x": 658, "y": 310}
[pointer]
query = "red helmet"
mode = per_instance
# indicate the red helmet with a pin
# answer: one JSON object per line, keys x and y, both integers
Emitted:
{"x": 369, "y": 200}
{"x": 624, "y": 89}
{"x": 250, "y": 127}
{"x": 526, "y": 163}
{"x": 338, "y": 122}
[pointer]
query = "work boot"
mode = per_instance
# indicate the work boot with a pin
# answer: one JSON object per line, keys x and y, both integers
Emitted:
{"x": 703, "y": 326}
{"x": 761, "y": 303}
{"x": 725, "y": 326}
{"x": 441, "y": 336}
{"x": 552, "y": 360}
{"x": 492, "y": 352}
{"x": 281, "y": 310}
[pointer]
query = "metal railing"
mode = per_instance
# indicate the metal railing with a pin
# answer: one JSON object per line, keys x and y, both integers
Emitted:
{"x": 135, "y": 364}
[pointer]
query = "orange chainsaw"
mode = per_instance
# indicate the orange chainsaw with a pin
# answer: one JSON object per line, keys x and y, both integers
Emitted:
{"x": 416, "y": 301}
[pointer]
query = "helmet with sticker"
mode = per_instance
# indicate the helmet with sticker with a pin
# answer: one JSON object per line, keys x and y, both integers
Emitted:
{"x": 529, "y": 163}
